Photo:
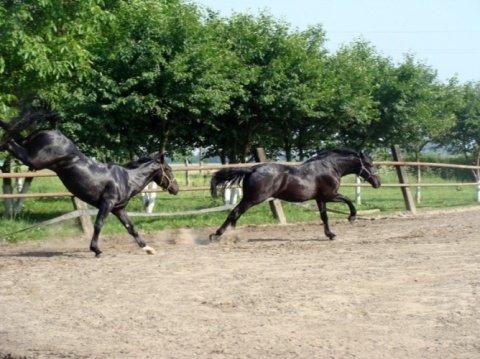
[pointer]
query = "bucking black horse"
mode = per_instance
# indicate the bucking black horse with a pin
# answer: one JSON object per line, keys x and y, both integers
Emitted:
{"x": 318, "y": 178}
{"x": 106, "y": 186}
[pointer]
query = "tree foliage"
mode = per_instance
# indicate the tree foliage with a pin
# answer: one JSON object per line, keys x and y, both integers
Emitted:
{"x": 134, "y": 77}
{"x": 43, "y": 47}
{"x": 464, "y": 136}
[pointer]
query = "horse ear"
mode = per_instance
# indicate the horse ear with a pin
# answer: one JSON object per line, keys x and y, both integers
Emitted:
{"x": 160, "y": 157}
{"x": 365, "y": 157}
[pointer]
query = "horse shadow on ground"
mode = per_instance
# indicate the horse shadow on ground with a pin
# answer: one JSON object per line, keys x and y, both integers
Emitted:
{"x": 297, "y": 240}
{"x": 42, "y": 254}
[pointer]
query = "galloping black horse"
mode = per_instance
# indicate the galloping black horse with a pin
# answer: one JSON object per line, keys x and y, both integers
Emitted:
{"x": 106, "y": 186}
{"x": 318, "y": 178}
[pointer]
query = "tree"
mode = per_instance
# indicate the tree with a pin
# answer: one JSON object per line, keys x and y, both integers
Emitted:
{"x": 464, "y": 137}
{"x": 298, "y": 87}
{"x": 353, "y": 114}
{"x": 155, "y": 79}
{"x": 43, "y": 45}
{"x": 249, "y": 40}
{"x": 274, "y": 70}
{"x": 410, "y": 106}
{"x": 43, "y": 52}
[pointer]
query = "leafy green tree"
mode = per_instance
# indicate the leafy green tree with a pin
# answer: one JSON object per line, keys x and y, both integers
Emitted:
{"x": 155, "y": 79}
{"x": 252, "y": 42}
{"x": 43, "y": 45}
{"x": 408, "y": 106}
{"x": 277, "y": 73}
{"x": 298, "y": 88}
{"x": 354, "y": 114}
{"x": 43, "y": 52}
{"x": 464, "y": 137}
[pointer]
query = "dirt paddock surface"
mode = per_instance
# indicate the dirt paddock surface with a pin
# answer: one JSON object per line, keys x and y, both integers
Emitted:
{"x": 399, "y": 287}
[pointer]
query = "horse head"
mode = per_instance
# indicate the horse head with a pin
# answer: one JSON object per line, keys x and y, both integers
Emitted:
{"x": 368, "y": 171}
{"x": 164, "y": 177}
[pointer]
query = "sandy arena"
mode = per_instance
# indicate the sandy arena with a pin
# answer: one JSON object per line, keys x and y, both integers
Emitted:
{"x": 399, "y": 287}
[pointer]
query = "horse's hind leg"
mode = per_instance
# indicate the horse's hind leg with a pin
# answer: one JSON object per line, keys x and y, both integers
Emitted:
{"x": 322, "y": 207}
{"x": 122, "y": 216}
{"x": 349, "y": 203}
{"x": 20, "y": 152}
{"x": 103, "y": 212}
{"x": 232, "y": 218}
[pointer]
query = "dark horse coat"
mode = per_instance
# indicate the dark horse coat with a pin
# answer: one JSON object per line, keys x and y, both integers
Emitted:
{"x": 106, "y": 186}
{"x": 318, "y": 178}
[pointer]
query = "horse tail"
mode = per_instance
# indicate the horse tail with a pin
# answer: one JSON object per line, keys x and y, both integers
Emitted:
{"x": 226, "y": 177}
{"x": 31, "y": 116}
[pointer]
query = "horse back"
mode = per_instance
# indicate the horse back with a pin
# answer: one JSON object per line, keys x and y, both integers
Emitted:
{"x": 43, "y": 137}
{"x": 292, "y": 183}
{"x": 267, "y": 180}
{"x": 96, "y": 182}
{"x": 47, "y": 148}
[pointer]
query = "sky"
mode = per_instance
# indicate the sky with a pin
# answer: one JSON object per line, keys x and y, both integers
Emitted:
{"x": 444, "y": 34}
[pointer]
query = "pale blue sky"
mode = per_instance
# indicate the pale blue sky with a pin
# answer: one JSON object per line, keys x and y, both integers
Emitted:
{"x": 445, "y": 34}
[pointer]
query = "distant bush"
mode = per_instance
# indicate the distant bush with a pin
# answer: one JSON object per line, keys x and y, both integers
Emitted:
{"x": 449, "y": 174}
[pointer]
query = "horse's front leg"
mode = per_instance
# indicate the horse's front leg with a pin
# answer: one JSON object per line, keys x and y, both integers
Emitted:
{"x": 123, "y": 217}
{"x": 103, "y": 212}
{"x": 322, "y": 207}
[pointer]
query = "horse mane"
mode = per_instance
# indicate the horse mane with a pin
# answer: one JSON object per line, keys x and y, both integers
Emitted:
{"x": 336, "y": 151}
{"x": 136, "y": 163}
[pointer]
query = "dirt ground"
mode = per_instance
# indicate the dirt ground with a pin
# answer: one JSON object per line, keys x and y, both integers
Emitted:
{"x": 399, "y": 287}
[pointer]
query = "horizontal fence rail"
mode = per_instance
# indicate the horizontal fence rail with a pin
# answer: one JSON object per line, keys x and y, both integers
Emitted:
{"x": 200, "y": 168}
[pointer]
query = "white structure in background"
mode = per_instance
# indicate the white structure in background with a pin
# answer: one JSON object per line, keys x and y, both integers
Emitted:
{"x": 358, "y": 191}
{"x": 148, "y": 199}
{"x": 478, "y": 191}
{"x": 19, "y": 184}
{"x": 230, "y": 195}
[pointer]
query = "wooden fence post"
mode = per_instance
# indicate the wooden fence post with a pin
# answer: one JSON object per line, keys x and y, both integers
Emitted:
{"x": 403, "y": 179}
{"x": 275, "y": 204}
{"x": 85, "y": 221}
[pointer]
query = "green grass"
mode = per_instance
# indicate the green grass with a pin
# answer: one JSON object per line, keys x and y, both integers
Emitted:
{"x": 387, "y": 200}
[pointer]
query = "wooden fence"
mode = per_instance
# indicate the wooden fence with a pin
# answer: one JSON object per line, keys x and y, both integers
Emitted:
{"x": 84, "y": 214}
{"x": 217, "y": 167}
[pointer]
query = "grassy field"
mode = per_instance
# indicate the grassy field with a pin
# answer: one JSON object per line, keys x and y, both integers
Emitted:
{"x": 386, "y": 200}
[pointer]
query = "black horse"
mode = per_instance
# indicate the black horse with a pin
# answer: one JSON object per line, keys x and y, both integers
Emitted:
{"x": 318, "y": 178}
{"x": 106, "y": 186}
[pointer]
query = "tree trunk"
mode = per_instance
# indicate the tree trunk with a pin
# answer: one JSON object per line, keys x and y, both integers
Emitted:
{"x": 288, "y": 150}
{"x": 7, "y": 187}
{"x": 20, "y": 201}
{"x": 246, "y": 142}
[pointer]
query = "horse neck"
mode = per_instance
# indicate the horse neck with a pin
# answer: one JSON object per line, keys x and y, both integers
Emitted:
{"x": 346, "y": 166}
{"x": 141, "y": 176}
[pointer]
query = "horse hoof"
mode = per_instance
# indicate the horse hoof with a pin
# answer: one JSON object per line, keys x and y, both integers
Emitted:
{"x": 149, "y": 250}
{"x": 213, "y": 238}
{"x": 352, "y": 219}
{"x": 332, "y": 237}
{"x": 99, "y": 255}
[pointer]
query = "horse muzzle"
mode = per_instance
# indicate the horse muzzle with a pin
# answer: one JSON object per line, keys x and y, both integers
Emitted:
{"x": 374, "y": 181}
{"x": 173, "y": 188}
